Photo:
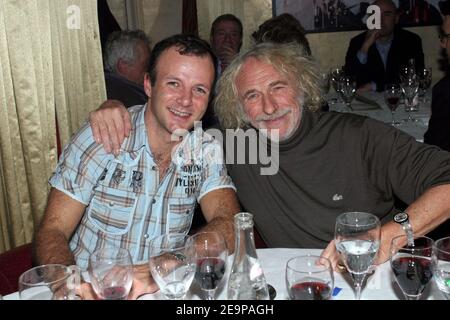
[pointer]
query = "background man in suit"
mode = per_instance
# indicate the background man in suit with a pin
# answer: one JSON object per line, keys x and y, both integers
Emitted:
{"x": 126, "y": 60}
{"x": 375, "y": 56}
{"x": 226, "y": 39}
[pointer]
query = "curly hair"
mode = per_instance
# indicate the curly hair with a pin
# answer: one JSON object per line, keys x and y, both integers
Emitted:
{"x": 288, "y": 59}
{"x": 284, "y": 28}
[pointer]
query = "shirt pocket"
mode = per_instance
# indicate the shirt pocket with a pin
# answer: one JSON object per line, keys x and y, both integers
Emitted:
{"x": 111, "y": 210}
{"x": 180, "y": 214}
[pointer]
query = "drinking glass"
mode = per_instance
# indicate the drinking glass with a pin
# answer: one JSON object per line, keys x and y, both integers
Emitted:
{"x": 392, "y": 96}
{"x": 209, "y": 252}
{"x": 347, "y": 90}
{"x": 111, "y": 273}
{"x": 357, "y": 239}
{"x": 171, "y": 265}
{"x": 411, "y": 264}
{"x": 441, "y": 265}
{"x": 325, "y": 82}
{"x": 50, "y": 282}
{"x": 407, "y": 71}
{"x": 335, "y": 78}
{"x": 425, "y": 77}
{"x": 309, "y": 277}
{"x": 410, "y": 86}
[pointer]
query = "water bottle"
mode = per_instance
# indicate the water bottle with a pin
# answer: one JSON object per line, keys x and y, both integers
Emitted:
{"x": 247, "y": 280}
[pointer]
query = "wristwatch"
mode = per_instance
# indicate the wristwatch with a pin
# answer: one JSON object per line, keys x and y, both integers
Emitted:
{"x": 403, "y": 219}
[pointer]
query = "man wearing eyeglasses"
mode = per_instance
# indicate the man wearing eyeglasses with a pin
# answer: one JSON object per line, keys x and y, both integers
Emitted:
{"x": 375, "y": 56}
{"x": 439, "y": 126}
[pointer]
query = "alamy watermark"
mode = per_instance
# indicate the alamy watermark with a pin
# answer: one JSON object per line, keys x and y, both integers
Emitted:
{"x": 73, "y": 21}
{"x": 374, "y": 19}
{"x": 250, "y": 146}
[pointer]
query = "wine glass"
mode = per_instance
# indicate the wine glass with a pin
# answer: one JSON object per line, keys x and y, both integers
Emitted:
{"x": 392, "y": 96}
{"x": 335, "y": 78}
{"x": 309, "y": 277}
{"x": 441, "y": 265}
{"x": 425, "y": 77}
{"x": 171, "y": 265}
{"x": 357, "y": 239}
{"x": 347, "y": 90}
{"x": 411, "y": 264}
{"x": 50, "y": 282}
{"x": 209, "y": 252}
{"x": 325, "y": 82}
{"x": 111, "y": 273}
{"x": 410, "y": 86}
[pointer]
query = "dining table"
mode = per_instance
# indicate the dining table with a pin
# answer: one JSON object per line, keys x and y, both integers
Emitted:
{"x": 380, "y": 283}
{"x": 372, "y": 104}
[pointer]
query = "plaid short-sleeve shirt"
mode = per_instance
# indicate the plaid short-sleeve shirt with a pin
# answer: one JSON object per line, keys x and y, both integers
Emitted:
{"x": 126, "y": 204}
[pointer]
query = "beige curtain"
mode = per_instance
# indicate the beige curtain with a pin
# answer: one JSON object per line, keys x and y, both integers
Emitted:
{"x": 251, "y": 12}
{"x": 50, "y": 63}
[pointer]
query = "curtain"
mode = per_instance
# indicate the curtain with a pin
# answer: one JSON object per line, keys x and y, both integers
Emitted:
{"x": 189, "y": 20}
{"x": 50, "y": 69}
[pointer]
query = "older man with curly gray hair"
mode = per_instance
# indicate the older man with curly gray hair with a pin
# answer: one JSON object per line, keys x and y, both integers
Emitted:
{"x": 126, "y": 61}
{"x": 329, "y": 162}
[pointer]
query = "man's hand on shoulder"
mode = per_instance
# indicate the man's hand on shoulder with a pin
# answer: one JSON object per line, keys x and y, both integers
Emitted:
{"x": 110, "y": 125}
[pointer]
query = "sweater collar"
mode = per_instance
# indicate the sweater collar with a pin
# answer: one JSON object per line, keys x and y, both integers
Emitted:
{"x": 306, "y": 123}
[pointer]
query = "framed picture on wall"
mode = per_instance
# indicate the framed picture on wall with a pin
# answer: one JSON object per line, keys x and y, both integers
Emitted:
{"x": 346, "y": 15}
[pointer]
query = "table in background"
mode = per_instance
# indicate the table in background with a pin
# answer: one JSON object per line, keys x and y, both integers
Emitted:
{"x": 415, "y": 129}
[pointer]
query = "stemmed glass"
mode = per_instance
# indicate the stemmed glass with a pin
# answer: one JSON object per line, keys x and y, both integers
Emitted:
{"x": 111, "y": 273}
{"x": 410, "y": 86}
{"x": 392, "y": 96}
{"x": 411, "y": 264}
{"x": 50, "y": 282}
{"x": 357, "y": 238}
{"x": 309, "y": 277}
{"x": 209, "y": 252}
{"x": 441, "y": 265}
{"x": 325, "y": 82}
{"x": 171, "y": 265}
{"x": 425, "y": 77}
{"x": 335, "y": 77}
{"x": 348, "y": 90}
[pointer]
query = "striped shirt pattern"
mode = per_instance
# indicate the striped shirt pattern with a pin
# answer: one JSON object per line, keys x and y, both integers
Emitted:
{"x": 126, "y": 204}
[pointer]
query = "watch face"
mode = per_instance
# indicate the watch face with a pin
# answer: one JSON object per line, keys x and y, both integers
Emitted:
{"x": 401, "y": 217}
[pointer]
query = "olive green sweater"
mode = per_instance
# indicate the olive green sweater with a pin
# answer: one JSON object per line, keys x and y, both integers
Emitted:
{"x": 332, "y": 164}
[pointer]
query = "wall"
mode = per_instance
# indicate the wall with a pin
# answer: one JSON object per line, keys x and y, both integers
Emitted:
{"x": 163, "y": 18}
{"x": 158, "y": 18}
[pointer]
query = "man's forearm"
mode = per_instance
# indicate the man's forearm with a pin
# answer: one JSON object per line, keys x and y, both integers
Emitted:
{"x": 51, "y": 246}
{"x": 225, "y": 226}
{"x": 426, "y": 213}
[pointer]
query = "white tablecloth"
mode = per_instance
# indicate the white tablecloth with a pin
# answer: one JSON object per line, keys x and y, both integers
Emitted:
{"x": 380, "y": 285}
{"x": 415, "y": 129}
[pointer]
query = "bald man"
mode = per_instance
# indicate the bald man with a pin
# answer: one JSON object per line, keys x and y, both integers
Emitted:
{"x": 375, "y": 56}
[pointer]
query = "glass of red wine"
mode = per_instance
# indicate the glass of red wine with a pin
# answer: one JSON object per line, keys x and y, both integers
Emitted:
{"x": 209, "y": 252}
{"x": 309, "y": 277}
{"x": 111, "y": 273}
{"x": 412, "y": 265}
{"x": 441, "y": 265}
{"x": 392, "y": 96}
